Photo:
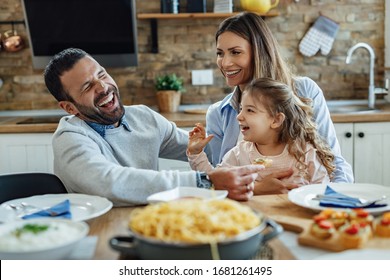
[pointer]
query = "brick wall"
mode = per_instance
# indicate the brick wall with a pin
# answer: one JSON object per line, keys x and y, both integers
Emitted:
{"x": 188, "y": 44}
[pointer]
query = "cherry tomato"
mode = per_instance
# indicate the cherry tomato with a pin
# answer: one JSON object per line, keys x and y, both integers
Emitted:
{"x": 325, "y": 224}
{"x": 361, "y": 212}
{"x": 353, "y": 229}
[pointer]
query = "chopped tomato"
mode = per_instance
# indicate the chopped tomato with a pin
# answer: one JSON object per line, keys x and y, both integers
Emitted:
{"x": 353, "y": 229}
{"x": 319, "y": 217}
{"x": 385, "y": 221}
{"x": 363, "y": 224}
{"x": 325, "y": 224}
{"x": 361, "y": 212}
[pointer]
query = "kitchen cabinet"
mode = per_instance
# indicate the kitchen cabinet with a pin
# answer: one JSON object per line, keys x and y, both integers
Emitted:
{"x": 32, "y": 152}
{"x": 366, "y": 146}
{"x": 26, "y": 152}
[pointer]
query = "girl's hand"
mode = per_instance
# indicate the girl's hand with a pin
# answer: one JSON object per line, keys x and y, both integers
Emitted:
{"x": 197, "y": 139}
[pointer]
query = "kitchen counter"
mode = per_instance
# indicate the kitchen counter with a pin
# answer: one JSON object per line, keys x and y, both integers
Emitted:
{"x": 48, "y": 123}
{"x": 382, "y": 114}
{"x": 17, "y": 122}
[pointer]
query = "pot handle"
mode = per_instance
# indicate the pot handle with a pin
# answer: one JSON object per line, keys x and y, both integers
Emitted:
{"x": 276, "y": 230}
{"x": 124, "y": 244}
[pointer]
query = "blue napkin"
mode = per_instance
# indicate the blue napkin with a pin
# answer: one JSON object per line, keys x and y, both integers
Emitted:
{"x": 60, "y": 210}
{"x": 343, "y": 201}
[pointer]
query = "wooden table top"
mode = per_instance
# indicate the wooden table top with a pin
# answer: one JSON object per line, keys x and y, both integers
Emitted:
{"x": 114, "y": 223}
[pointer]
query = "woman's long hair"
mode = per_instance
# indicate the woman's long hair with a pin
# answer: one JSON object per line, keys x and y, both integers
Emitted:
{"x": 298, "y": 128}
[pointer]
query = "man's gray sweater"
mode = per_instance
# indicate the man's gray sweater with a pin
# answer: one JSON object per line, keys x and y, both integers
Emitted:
{"x": 121, "y": 166}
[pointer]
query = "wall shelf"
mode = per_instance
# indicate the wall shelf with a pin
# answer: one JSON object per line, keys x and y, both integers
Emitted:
{"x": 272, "y": 13}
{"x": 12, "y": 22}
{"x": 153, "y": 17}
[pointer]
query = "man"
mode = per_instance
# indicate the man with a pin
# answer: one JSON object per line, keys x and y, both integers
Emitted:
{"x": 110, "y": 150}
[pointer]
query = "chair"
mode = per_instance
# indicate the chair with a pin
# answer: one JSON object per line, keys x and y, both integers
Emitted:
{"x": 18, "y": 185}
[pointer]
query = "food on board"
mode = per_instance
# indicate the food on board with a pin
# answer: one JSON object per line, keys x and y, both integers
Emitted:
{"x": 360, "y": 215}
{"x": 382, "y": 225}
{"x": 322, "y": 228}
{"x": 355, "y": 235}
{"x": 348, "y": 229}
{"x": 337, "y": 218}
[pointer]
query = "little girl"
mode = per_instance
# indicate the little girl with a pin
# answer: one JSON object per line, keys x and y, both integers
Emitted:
{"x": 278, "y": 130}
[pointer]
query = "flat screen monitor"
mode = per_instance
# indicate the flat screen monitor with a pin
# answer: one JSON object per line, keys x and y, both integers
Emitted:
{"x": 106, "y": 29}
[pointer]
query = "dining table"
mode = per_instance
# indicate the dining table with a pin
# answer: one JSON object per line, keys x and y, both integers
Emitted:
{"x": 115, "y": 223}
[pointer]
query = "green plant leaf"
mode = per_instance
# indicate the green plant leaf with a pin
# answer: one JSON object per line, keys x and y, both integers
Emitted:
{"x": 169, "y": 82}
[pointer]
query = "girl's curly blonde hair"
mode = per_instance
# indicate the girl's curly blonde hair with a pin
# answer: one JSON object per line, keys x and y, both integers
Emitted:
{"x": 298, "y": 128}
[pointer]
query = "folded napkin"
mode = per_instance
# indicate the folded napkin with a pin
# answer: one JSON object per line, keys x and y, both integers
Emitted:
{"x": 340, "y": 200}
{"x": 60, "y": 210}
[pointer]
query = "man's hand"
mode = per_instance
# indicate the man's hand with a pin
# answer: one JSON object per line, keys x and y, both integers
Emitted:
{"x": 238, "y": 181}
{"x": 197, "y": 139}
{"x": 272, "y": 183}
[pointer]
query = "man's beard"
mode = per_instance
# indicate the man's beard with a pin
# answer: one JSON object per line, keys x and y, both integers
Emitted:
{"x": 94, "y": 114}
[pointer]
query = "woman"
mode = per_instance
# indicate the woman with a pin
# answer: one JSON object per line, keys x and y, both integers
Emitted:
{"x": 246, "y": 50}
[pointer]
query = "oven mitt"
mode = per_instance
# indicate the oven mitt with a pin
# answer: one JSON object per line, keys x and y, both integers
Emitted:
{"x": 343, "y": 201}
{"x": 320, "y": 36}
{"x": 60, "y": 210}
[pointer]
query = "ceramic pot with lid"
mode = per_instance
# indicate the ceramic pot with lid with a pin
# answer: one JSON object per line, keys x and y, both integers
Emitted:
{"x": 243, "y": 246}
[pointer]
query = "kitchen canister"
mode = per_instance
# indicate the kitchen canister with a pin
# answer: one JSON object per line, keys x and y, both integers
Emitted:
{"x": 170, "y": 6}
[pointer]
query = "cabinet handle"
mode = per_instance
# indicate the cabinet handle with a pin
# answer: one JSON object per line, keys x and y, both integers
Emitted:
{"x": 348, "y": 134}
{"x": 361, "y": 134}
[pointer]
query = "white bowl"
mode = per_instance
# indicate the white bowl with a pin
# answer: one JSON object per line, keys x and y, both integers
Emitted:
{"x": 57, "y": 242}
{"x": 186, "y": 192}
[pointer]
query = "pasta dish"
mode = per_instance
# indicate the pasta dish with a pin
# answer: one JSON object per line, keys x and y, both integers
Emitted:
{"x": 193, "y": 220}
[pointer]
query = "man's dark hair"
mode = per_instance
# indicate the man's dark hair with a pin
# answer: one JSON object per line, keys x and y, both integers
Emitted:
{"x": 60, "y": 63}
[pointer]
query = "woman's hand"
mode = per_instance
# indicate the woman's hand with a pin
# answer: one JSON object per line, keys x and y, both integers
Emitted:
{"x": 272, "y": 183}
{"x": 197, "y": 139}
{"x": 238, "y": 181}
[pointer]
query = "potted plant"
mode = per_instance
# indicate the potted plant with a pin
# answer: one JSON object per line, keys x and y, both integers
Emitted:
{"x": 169, "y": 89}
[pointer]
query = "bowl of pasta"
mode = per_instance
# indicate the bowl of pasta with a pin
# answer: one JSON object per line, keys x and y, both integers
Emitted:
{"x": 195, "y": 229}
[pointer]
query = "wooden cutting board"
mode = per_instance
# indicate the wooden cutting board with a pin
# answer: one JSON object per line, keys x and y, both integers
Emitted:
{"x": 302, "y": 227}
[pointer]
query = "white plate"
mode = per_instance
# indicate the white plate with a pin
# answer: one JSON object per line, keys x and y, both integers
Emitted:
{"x": 366, "y": 254}
{"x": 186, "y": 192}
{"x": 303, "y": 196}
{"x": 83, "y": 207}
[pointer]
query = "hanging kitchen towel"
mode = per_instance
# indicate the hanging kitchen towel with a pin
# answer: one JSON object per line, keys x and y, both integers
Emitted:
{"x": 320, "y": 36}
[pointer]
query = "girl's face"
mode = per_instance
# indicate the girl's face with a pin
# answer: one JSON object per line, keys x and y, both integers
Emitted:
{"x": 256, "y": 124}
{"x": 234, "y": 59}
